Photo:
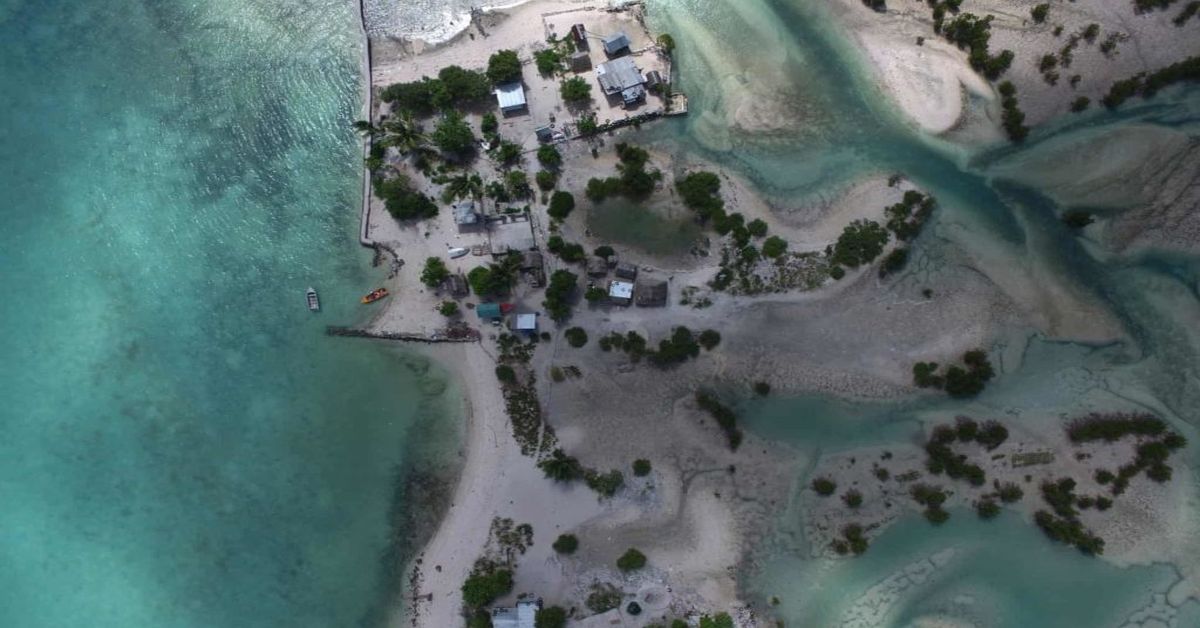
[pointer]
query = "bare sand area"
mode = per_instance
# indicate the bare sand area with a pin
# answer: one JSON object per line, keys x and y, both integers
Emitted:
{"x": 930, "y": 80}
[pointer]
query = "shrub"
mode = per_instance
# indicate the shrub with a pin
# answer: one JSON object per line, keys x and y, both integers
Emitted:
{"x": 894, "y": 262}
{"x": 762, "y": 389}
{"x": 725, "y": 417}
{"x": 1104, "y": 476}
{"x": 435, "y": 272}
{"x": 852, "y": 498}
{"x": 448, "y": 308}
{"x": 1080, "y": 104}
{"x": 606, "y": 484}
{"x": 641, "y": 467}
{"x": 561, "y": 205}
{"x": 631, "y": 560}
{"x": 576, "y": 90}
{"x": 517, "y": 184}
{"x": 576, "y": 337}
{"x": 709, "y": 339}
{"x": 987, "y": 508}
{"x": 604, "y": 597}
{"x": 936, "y": 516}
{"x": 504, "y": 67}
{"x": 1040, "y": 12}
{"x": 566, "y": 544}
{"x": 489, "y": 123}
{"x": 506, "y": 374}
{"x": 560, "y": 467}
{"x": 824, "y": 486}
{"x": 550, "y": 617}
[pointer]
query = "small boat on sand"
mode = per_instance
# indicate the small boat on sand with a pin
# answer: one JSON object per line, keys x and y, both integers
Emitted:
{"x": 375, "y": 295}
{"x": 457, "y": 252}
{"x": 310, "y": 295}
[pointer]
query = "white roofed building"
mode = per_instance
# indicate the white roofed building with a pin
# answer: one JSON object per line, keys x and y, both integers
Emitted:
{"x": 511, "y": 97}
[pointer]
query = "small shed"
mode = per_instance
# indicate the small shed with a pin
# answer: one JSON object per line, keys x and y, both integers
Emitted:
{"x": 456, "y": 285}
{"x": 650, "y": 292}
{"x": 511, "y": 97}
{"x": 653, "y": 79}
{"x": 615, "y": 44}
{"x": 488, "y": 311}
{"x": 580, "y": 62}
{"x": 597, "y": 266}
{"x": 579, "y": 34}
{"x": 544, "y": 133}
{"x": 633, "y": 95}
{"x": 625, "y": 270}
{"x": 525, "y": 323}
{"x": 620, "y": 292}
{"x": 532, "y": 260}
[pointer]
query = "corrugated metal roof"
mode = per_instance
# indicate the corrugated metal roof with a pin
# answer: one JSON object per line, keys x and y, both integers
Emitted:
{"x": 488, "y": 310}
{"x": 616, "y": 42}
{"x": 620, "y": 289}
{"x": 618, "y": 75}
{"x": 510, "y": 96}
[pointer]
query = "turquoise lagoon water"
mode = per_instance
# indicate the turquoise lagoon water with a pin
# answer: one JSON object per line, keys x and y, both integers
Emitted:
{"x": 182, "y": 446}
{"x": 1004, "y": 573}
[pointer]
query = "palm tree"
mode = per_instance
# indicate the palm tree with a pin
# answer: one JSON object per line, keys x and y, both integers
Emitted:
{"x": 366, "y": 128}
{"x": 560, "y": 467}
{"x": 403, "y": 133}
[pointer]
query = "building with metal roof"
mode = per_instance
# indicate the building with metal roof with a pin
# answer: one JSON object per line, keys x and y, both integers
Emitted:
{"x": 511, "y": 97}
{"x": 523, "y": 616}
{"x": 618, "y": 75}
{"x": 525, "y": 323}
{"x": 620, "y": 292}
{"x": 616, "y": 43}
{"x": 466, "y": 216}
{"x": 627, "y": 270}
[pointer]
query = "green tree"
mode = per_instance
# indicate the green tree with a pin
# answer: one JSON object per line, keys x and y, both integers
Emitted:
{"x": 461, "y": 87}
{"x": 824, "y": 486}
{"x": 757, "y": 228}
{"x": 549, "y": 156}
{"x": 402, "y": 201}
{"x": 558, "y": 294}
{"x": 709, "y": 339}
{"x": 546, "y": 180}
{"x": 666, "y": 42}
{"x": 561, "y": 205}
{"x": 860, "y": 243}
{"x": 641, "y": 467}
{"x": 506, "y": 374}
{"x": 566, "y": 544}
{"x": 504, "y": 67}
{"x": 489, "y": 124}
{"x": 576, "y": 90}
{"x": 548, "y": 61}
{"x": 550, "y": 617}
{"x": 576, "y": 337}
{"x": 482, "y": 587}
{"x": 774, "y": 246}
{"x": 517, "y": 184}
{"x": 453, "y": 135}
{"x": 448, "y": 308}
{"x": 506, "y": 153}
{"x": 435, "y": 272}
{"x": 631, "y": 560}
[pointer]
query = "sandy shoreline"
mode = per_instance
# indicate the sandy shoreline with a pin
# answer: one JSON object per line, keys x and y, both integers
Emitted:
{"x": 694, "y": 516}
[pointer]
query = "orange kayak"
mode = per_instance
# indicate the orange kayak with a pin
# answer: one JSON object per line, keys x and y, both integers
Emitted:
{"x": 375, "y": 295}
